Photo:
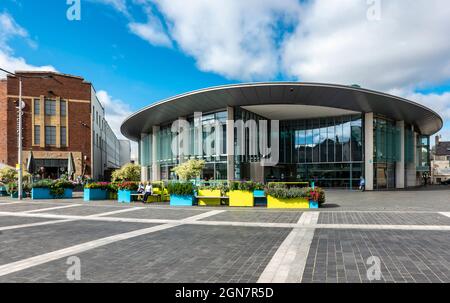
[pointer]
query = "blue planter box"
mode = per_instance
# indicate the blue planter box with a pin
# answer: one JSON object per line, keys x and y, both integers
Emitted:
{"x": 95, "y": 194}
{"x": 313, "y": 204}
{"x": 16, "y": 195}
{"x": 176, "y": 200}
{"x": 44, "y": 193}
{"x": 125, "y": 196}
{"x": 40, "y": 193}
{"x": 259, "y": 193}
{"x": 260, "y": 197}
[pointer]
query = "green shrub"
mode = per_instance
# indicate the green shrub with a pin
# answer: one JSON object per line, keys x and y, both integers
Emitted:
{"x": 181, "y": 188}
{"x": 112, "y": 187}
{"x": 11, "y": 188}
{"x": 189, "y": 170}
{"x": 281, "y": 191}
{"x": 244, "y": 185}
{"x": 45, "y": 183}
{"x": 97, "y": 185}
{"x": 128, "y": 172}
{"x": 222, "y": 186}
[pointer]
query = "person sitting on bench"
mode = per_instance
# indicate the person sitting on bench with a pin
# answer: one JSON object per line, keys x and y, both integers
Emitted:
{"x": 141, "y": 188}
{"x": 148, "y": 191}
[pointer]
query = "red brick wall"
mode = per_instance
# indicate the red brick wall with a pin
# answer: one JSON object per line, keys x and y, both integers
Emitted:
{"x": 3, "y": 122}
{"x": 59, "y": 86}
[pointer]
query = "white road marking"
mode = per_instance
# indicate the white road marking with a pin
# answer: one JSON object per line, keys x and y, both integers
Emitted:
{"x": 288, "y": 262}
{"x": 33, "y": 224}
{"x": 76, "y": 249}
{"x": 50, "y": 208}
{"x": 229, "y": 223}
{"x": 116, "y": 212}
{"x": 447, "y": 214}
{"x": 203, "y": 216}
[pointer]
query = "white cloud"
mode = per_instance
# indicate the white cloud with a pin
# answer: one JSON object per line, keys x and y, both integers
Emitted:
{"x": 119, "y": 5}
{"x": 115, "y": 112}
{"x": 237, "y": 39}
{"x": 335, "y": 42}
{"x": 152, "y": 32}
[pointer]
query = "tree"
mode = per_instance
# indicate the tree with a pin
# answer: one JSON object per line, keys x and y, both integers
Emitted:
{"x": 8, "y": 174}
{"x": 128, "y": 172}
{"x": 189, "y": 170}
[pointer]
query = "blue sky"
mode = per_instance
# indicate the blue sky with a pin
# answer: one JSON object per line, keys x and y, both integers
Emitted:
{"x": 136, "y": 52}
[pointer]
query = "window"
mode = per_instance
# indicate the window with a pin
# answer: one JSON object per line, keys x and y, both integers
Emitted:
{"x": 50, "y": 135}
{"x": 37, "y": 135}
{"x": 63, "y": 108}
{"x": 63, "y": 136}
{"x": 37, "y": 107}
{"x": 50, "y": 107}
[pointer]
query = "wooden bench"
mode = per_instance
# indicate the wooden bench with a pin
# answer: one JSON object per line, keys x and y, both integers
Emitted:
{"x": 140, "y": 197}
{"x": 212, "y": 198}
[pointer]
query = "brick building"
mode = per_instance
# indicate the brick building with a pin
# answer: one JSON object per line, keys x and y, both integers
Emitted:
{"x": 62, "y": 115}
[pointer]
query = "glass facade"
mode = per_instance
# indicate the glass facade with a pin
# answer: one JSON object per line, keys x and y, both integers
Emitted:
{"x": 386, "y": 149}
{"x": 328, "y": 150}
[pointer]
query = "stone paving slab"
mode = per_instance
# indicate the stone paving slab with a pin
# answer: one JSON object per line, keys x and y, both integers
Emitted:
{"x": 80, "y": 210}
{"x": 20, "y": 207}
{"x": 383, "y": 218}
{"x": 256, "y": 216}
{"x": 11, "y": 221}
{"x": 158, "y": 213}
{"x": 23, "y": 243}
{"x": 186, "y": 253}
{"x": 341, "y": 256}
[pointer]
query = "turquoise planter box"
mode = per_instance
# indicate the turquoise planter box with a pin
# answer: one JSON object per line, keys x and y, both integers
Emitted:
{"x": 44, "y": 194}
{"x": 40, "y": 193}
{"x": 259, "y": 193}
{"x": 125, "y": 196}
{"x": 177, "y": 200}
{"x": 67, "y": 193}
{"x": 313, "y": 204}
{"x": 260, "y": 197}
{"x": 16, "y": 195}
{"x": 91, "y": 194}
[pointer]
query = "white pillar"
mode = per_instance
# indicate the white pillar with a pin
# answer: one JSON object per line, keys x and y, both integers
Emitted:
{"x": 230, "y": 143}
{"x": 368, "y": 150}
{"x": 400, "y": 164}
{"x": 155, "y": 166}
{"x": 143, "y": 151}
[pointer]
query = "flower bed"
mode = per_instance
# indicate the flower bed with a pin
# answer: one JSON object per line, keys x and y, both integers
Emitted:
{"x": 49, "y": 189}
{"x": 211, "y": 195}
{"x": 96, "y": 191}
{"x": 126, "y": 190}
{"x": 242, "y": 193}
{"x": 181, "y": 193}
{"x": 280, "y": 196}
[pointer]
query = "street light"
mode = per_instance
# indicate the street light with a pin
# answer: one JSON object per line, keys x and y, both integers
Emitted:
{"x": 19, "y": 143}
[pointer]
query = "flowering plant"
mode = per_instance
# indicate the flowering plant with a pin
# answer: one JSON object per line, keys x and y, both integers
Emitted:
{"x": 133, "y": 186}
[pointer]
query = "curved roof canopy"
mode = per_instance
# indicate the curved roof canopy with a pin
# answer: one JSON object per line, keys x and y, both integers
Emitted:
{"x": 348, "y": 98}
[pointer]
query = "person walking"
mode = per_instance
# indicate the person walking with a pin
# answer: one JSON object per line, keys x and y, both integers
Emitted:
{"x": 362, "y": 184}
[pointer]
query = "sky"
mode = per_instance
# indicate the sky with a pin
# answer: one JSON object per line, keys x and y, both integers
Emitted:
{"x": 136, "y": 52}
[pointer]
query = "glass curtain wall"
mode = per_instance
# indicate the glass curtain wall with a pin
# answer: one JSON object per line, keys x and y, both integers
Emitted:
{"x": 168, "y": 159}
{"x": 328, "y": 151}
{"x": 386, "y": 152}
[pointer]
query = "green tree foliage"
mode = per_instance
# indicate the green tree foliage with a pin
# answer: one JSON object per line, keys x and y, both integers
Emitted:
{"x": 189, "y": 170}
{"x": 128, "y": 172}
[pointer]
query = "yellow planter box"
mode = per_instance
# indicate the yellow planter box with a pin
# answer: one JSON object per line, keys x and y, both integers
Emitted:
{"x": 209, "y": 201}
{"x": 241, "y": 198}
{"x": 297, "y": 203}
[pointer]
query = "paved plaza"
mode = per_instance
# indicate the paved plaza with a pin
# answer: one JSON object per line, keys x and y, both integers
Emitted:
{"x": 408, "y": 232}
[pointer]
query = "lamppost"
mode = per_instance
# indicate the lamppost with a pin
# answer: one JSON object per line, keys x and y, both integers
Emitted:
{"x": 19, "y": 131}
